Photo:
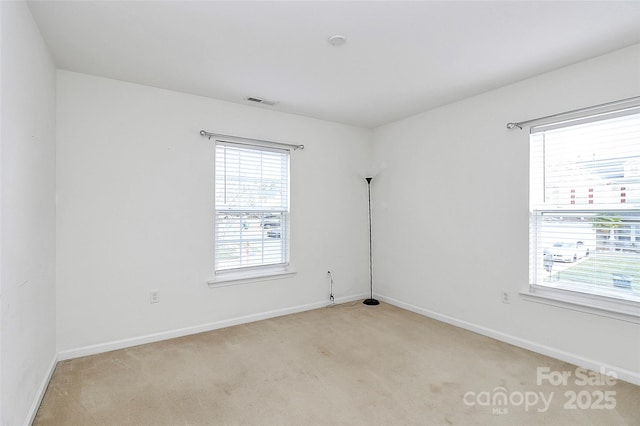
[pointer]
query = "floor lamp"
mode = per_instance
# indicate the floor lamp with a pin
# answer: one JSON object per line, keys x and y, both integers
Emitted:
{"x": 370, "y": 300}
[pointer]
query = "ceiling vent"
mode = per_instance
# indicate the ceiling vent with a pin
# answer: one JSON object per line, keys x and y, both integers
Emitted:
{"x": 261, "y": 101}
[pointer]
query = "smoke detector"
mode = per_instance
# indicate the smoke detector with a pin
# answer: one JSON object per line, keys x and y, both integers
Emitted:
{"x": 261, "y": 100}
{"x": 337, "y": 40}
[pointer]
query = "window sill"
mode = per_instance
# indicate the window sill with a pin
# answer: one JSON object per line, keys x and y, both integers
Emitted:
{"x": 619, "y": 309}
{"x": 225, "y": 279}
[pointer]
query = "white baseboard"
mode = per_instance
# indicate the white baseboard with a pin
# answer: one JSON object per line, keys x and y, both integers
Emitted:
{"x": 171, "y": 334}
{"x": 347, "y": 299}
{"x": 37, "y": 400}
{"x": 623, "y": 374}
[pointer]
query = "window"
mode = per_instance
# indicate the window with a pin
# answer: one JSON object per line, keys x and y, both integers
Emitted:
{"x": 251, "y": 207}
{"x": 585, "y": 211}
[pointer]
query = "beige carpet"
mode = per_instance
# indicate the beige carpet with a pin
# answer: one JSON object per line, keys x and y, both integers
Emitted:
{"x": 349, "y": 364}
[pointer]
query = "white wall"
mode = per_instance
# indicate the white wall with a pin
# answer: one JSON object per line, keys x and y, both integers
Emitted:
{"x": 27, "y": 279}
{"x": 451, "y": 213}
{"x": 135, "y": 212}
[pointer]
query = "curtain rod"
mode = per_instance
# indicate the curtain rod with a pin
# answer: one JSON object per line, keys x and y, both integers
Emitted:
{"x": 519, "y": 124}
{"x": 215, "y": 135}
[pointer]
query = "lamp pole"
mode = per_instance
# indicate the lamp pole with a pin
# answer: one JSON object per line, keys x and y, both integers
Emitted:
{"x": 370, "y": 300}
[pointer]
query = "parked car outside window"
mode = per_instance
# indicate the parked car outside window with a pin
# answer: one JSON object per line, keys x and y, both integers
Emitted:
{"x": 564, "y": 251}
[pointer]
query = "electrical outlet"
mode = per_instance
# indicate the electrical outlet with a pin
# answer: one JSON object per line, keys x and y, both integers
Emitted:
{"x": 506, "y": 297}
{"x": 154, "y": 296}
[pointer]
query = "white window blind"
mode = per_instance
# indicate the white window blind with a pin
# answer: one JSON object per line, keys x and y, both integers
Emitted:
{"x": 252, "y": 206}
{"x": 585, "y": 207}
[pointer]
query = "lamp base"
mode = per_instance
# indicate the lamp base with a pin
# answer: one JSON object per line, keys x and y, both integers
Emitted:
{"x": 371, "y": 302}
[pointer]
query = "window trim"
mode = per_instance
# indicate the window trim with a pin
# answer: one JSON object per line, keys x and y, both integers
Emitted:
{"x": 620, "y": 309}
{"x": 596, "y": 304}
{"x": 242, "y": 275}
{"x": 250, "y": 275}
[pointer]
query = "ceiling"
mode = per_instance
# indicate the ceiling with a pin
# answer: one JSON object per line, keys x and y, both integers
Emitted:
{"x": 400, "y": 58}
